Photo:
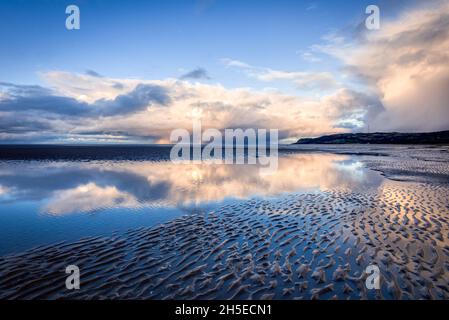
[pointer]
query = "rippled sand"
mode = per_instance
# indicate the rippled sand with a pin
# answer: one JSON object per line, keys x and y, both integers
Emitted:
{"x": 313, "y": 245}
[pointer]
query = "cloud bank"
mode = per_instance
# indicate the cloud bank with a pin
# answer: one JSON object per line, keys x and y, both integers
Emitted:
{"x": 406, "y": 64}
{"x": 83, "y": 108}
{"x": 397, "y": 80}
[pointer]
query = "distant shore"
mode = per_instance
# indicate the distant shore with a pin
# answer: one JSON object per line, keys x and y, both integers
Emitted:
{"x": 441, "y": 137}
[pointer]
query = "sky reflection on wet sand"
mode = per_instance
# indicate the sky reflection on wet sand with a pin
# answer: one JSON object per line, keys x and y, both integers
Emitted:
{"x": 44, "y": 202}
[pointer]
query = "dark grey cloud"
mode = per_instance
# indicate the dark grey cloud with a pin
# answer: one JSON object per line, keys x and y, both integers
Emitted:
{"x": 198, "y": 73}
{"x": 36, "y": 114}
{"x": 347, "y": 102}
{"x": 45, "y": 103}
{"x": 12, "y": 123}
{"x": 28, "y": 98}
{"x": 136, "y": 100}
{"x": 353, "y": 110}
{"x": 23, "y": 90}
{"x": 93, "y": 73}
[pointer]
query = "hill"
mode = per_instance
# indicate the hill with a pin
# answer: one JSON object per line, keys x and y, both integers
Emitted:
{"x": 441, "y": 137}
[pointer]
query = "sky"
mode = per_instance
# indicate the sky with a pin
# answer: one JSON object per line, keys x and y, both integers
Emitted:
{"x": 136, "y": 70}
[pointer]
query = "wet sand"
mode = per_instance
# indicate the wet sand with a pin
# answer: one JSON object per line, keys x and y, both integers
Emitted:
{"x": 310, "y": 245}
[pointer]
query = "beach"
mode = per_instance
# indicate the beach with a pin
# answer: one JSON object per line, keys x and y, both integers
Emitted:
{"x": 307, "y": 232}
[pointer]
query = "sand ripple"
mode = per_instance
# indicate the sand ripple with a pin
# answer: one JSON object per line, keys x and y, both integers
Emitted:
{"x": 302, "y": 246}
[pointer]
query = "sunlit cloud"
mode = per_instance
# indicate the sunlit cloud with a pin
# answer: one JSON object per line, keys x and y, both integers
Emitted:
{"x": 148, "y": 110}
{"x": 406, "y": 63}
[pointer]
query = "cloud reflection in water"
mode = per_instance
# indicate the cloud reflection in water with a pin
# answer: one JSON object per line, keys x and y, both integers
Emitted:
{"x": 71, "y": 187}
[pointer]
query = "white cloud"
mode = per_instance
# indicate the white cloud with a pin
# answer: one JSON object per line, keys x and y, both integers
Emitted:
{"x": 406, "y": 63}
{"x": 302, "y": 80}
{"x": 86, "y": 87}
{"x": 235, "y": 63}
{"x": 310, "y": 57}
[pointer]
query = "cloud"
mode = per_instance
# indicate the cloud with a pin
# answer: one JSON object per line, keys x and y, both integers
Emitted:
{"x": 27, "y": 98}
{"x": 36, "y": 114}
{"x": 25, "y": 90}
{"x": 138, "y": 99}
{"x": 93, "y": 73}
{"x": 406, "y": 63}
{"x": 351, "y": 109}
{"x": 148, "y": 110}
{"x": 302, "y": 80}
{"x": 235, "y": 63}
{"x": 310, "y": 57}
{"x": 11, "y": 124}
{"x": 24, "y": 98}
{"x": 198, "y": 73}
{"x": 85, "y": 87}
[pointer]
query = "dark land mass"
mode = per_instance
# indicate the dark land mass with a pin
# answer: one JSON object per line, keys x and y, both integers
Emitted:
{"x": 441, "y": 137}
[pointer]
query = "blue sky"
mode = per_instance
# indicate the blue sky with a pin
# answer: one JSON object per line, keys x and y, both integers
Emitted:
{"x": 159, "y": 39}
{"x": 311, "y": 60}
